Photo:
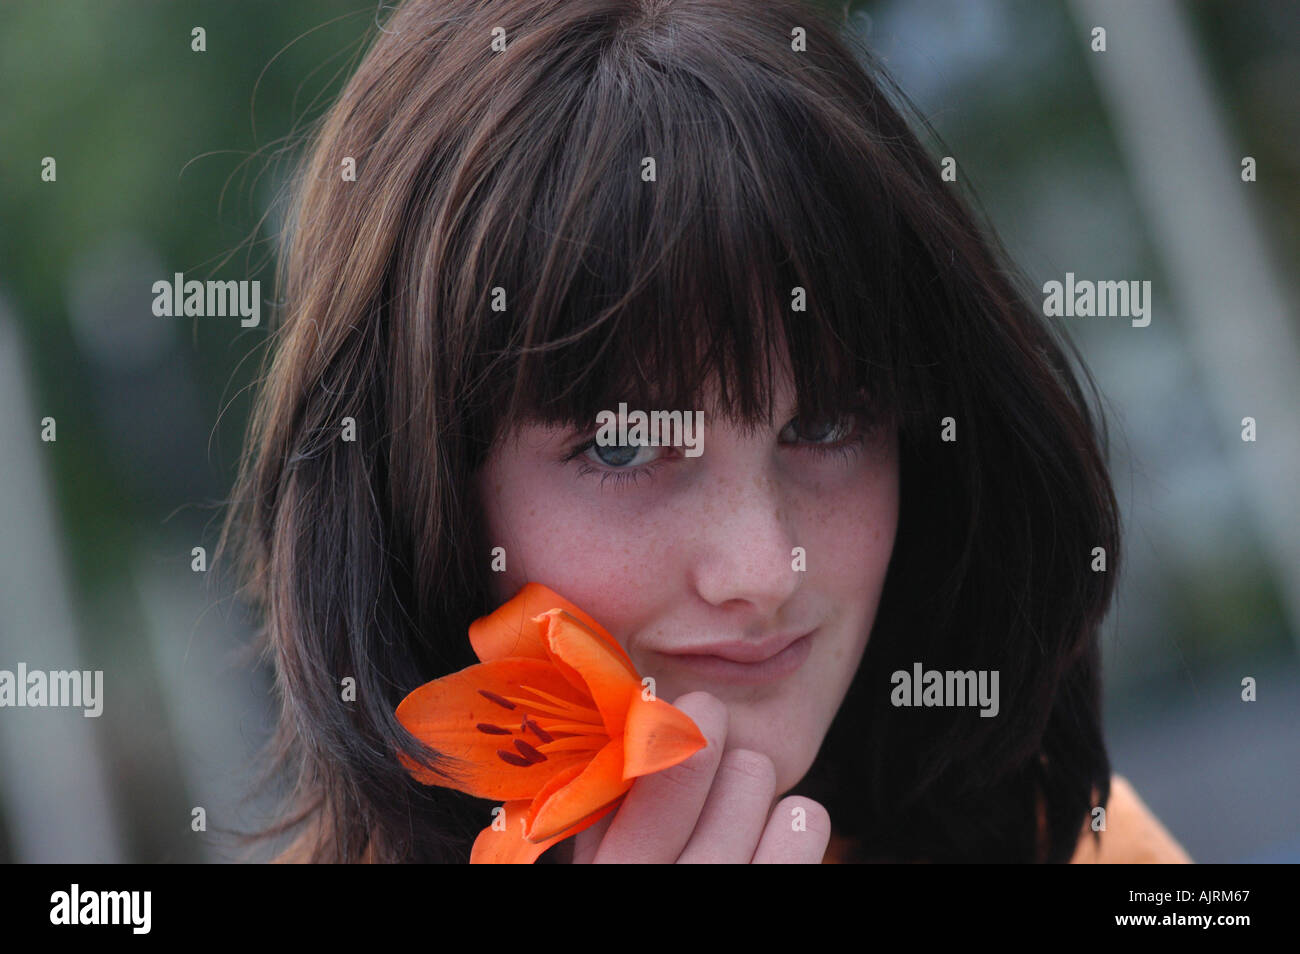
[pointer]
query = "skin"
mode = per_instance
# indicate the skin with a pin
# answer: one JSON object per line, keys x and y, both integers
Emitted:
{"x": 699, "y": 549}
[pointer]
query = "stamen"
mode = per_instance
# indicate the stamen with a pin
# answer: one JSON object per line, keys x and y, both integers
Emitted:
{"x": 576, "y": 743}
{"x": 542, "y": 708}
{"x": 529, "y": 752}
{"x": 491, "y": 729}
{"x": 577, "y": 728}
{"x": 499, "y": 700}
{"x": 513, "y": 759}
{"x": 561, "y": 708}
{"x": 559, "y": 701}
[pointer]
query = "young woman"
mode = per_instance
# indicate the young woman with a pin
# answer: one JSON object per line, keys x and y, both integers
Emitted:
{"x": 702, "y": 206}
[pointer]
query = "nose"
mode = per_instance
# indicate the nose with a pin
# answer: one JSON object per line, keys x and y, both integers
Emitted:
{"x": 745, "y": 556}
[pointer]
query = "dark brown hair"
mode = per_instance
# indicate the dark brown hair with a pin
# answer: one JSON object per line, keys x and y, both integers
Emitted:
{"x": 776, "y": 168}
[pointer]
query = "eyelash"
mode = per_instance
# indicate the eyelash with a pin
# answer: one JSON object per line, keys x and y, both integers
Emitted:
{"x": 846, "y": 449}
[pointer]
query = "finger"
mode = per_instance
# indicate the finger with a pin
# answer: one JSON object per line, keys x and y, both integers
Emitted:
{"x": 585, "y": 843}
{"x": 736, "y": 811}
{"x": 796, "y": 834}
{"x": 659, "y": 813}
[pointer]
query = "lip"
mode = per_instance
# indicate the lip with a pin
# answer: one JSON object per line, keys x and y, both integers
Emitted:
{"x": 744, "y": 662}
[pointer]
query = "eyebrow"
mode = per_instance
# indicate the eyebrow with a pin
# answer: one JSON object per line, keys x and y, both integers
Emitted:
{"x": 565, "y": 428}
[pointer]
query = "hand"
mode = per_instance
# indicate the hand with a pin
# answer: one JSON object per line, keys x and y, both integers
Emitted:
{"x": 713, "y": 808}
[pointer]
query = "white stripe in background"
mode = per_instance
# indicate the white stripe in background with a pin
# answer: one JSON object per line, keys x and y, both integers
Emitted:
{"x": 56, "y": 797}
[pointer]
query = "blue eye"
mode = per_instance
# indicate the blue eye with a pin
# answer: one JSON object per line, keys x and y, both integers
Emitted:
{"x": 617, "y": 455}
{"x": 612, "y": 461}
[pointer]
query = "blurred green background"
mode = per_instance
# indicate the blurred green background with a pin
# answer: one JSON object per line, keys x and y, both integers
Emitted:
{"x": 1121, "y": 164}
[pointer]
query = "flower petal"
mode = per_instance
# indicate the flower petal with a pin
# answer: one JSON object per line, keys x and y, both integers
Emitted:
{"x": 657, "y": 736}
{"x": 511, "y": 630}
{"x": 446, "y": 713}
{"x": 562, "y": 804}
{"x": 611, "y": 679}
{"x": 510, "y": 847}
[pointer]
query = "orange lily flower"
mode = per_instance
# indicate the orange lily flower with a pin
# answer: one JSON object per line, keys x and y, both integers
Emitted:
{"x": 553, "y": 721}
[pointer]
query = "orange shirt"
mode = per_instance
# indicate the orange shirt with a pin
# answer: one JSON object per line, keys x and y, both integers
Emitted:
{"x": 1133, "y": 835}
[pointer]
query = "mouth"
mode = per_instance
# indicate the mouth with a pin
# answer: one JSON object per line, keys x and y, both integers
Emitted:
{"x": 742, "y": 662}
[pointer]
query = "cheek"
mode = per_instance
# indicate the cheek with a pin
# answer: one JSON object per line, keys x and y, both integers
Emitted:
{"x": 554, "y": 535}
{"x": 850, "y": 531}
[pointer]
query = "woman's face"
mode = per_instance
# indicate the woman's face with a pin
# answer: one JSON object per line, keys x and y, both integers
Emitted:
{"x": 691, "y": 561}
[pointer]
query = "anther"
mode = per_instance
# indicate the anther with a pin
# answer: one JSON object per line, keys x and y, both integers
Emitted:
{"x": 538, "y": 730}
{"x": 529, "y": 752}
{"x": 499, "y": 700}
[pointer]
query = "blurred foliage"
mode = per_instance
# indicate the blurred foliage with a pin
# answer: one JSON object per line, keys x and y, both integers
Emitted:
{"x": 153, "y": 140}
